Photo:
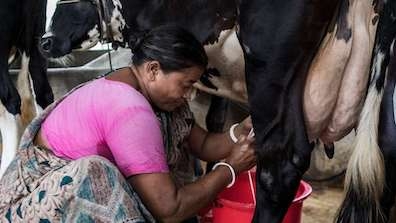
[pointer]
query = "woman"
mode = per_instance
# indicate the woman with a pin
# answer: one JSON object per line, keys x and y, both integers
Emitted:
{"x": 137, "y": 119}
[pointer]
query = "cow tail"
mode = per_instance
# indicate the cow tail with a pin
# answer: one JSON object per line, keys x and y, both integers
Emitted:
{"x": 365, "y": 176}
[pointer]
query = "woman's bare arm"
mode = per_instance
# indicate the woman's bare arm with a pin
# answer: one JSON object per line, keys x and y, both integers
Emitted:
{"x": 215, "y": 146}
{"x": 168, "y": 203}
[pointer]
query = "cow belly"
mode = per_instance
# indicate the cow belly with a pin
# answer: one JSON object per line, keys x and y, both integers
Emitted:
{"x": 354, "y": 83}
{"x": 324, "y": 80}
{"x": 226, "y": 57}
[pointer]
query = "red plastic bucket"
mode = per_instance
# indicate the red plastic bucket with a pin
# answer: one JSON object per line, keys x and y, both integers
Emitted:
{"x": 236, "y": 204}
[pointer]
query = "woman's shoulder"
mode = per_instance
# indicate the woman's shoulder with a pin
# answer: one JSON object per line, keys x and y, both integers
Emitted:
{"x": 118, "y": 91}
{"x": 119, "y": 96}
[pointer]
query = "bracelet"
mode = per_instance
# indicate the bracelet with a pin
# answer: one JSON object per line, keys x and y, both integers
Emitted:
{"x": 231, "y": 170}
{"x": 232, "y": 135}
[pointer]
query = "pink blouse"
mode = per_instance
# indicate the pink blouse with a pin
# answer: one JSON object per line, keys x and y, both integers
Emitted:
{"x": 110, "y": 119}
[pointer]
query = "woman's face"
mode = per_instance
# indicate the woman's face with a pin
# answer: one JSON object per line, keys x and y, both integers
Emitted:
{"x": 169, "y": 91}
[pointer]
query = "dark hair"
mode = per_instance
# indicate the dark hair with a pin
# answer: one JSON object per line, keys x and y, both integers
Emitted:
{"x": 173, "y": 47}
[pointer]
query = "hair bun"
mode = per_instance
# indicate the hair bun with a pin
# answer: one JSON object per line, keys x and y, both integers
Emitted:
{"x": 136, "y": 39}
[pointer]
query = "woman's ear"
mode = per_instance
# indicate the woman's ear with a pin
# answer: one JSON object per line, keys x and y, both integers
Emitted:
{"x": 153, "y": 68}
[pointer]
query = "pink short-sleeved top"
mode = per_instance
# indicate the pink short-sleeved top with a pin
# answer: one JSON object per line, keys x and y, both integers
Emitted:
{"x": 110, "y": 119}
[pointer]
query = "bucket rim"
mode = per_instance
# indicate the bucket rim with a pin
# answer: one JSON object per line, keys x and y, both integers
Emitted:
{"x": 235, "y": 204}
{"x": 306, "y": 192}
{"x": 249, "y": 206}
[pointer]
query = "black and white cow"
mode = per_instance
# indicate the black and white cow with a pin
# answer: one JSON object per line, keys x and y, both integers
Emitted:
{"x": 21, "y": 25}
{"x": 212, "y": 22}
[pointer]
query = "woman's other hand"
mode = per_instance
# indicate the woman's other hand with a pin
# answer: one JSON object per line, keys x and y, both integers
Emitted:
{"x": 242, "y": 156}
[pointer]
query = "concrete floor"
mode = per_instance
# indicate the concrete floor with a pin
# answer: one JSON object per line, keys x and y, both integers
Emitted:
{"x": 322, "y": 205}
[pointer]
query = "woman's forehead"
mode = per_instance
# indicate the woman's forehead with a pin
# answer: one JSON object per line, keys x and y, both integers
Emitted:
{"x": 191, "y": 73}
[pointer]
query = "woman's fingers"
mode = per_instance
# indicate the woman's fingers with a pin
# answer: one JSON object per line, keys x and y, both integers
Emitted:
{"x": 243, "y": 156}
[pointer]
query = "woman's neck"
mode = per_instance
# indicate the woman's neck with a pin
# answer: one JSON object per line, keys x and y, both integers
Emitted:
{"x": 133, "y": 77}
{"x": 141, "y": 83}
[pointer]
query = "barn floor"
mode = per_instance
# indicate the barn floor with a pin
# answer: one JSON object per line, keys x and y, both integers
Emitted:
{"x": 323, "y": 203}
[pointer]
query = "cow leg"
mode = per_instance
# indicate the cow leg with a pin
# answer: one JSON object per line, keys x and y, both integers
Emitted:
{"x": 387, "y": 143}
{"x": 29, "y": 109}
{"x": 277, "y": 55}
{"x": 283, "y": 151}
{"x": 37, "y": 68}
{"x": 388, "y": 200}
{"x": 8, "y": 94}
{"x": 9, "y": 110}
{"x": 282, "y": 159}
{"x": 217, "y": 114}
{"x": 38, "y": 72}
{"x": 11, "y": 102}
{"x": 216, "y": 118}
{"x": 10, "y": 125}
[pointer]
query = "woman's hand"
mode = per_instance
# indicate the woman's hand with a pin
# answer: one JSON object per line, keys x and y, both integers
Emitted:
{"x": 242, "y": 155}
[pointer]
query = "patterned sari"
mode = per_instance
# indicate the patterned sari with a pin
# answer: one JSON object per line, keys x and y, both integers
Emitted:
{"x": 40, "y": 187}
